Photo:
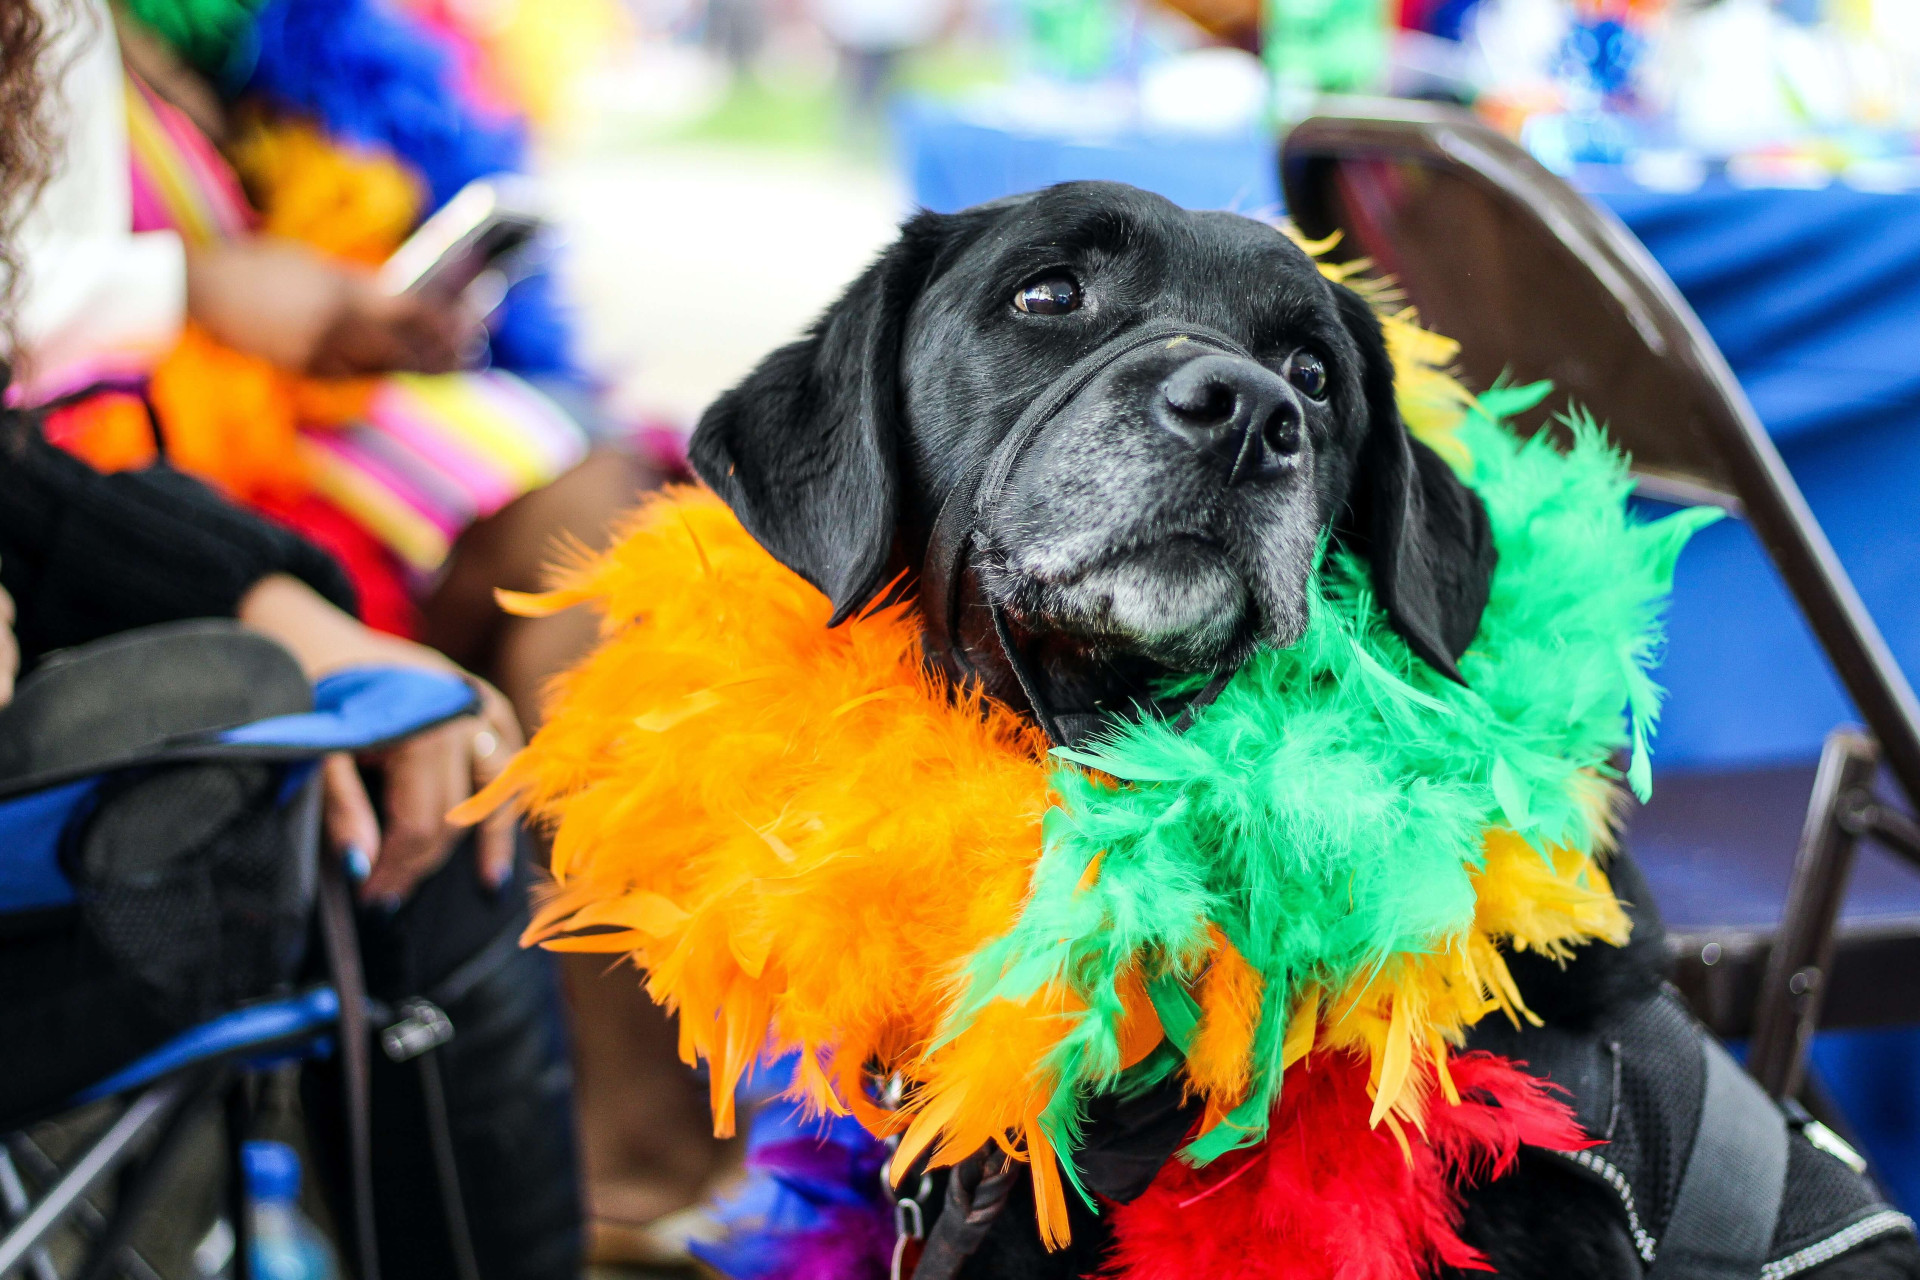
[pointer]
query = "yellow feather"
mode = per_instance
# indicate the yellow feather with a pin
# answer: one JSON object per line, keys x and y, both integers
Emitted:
{"x": 1394, "y": 1063}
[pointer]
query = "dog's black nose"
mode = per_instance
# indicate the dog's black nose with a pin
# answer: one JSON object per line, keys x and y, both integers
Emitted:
{"x": 1233, "y": 409}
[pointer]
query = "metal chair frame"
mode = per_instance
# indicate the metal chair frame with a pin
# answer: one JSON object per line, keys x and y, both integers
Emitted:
{"x": 1704, "y": 444}
{"x": 163, "y": 1091}
{"x": 166, "y": 1087}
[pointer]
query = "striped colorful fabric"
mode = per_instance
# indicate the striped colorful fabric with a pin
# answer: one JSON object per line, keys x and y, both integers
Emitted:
{"x": 180, "y": 182}
{"x": 430, "y": 454}
{"x": 436, "y": 454}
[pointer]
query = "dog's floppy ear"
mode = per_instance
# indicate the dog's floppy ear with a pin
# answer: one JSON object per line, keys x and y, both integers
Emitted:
{"x": 804, "y": 449}
{"x": 1425, "y": 533}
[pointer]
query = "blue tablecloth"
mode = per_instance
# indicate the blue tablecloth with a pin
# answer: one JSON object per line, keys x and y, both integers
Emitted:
{"x": 1814, "y": 296}
{"x": 952, "y": 162}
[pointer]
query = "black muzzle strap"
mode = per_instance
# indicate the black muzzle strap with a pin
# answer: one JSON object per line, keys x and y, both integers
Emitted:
{"x": 963, "y": 520}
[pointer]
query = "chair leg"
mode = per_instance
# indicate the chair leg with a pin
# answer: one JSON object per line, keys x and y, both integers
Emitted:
{"x": 342, "y": 947}
{"x": 13, "y": 1193}
{"x": 237, "y": 1123}
{"x": 1894, "y": 830}
{"x": 1792, "y": 989}
{"x": 447, "y": 1167}
{"x": 90, "y": 1220}
{"x": 146, "y": 1115}
{"x": 141, "y": 1189}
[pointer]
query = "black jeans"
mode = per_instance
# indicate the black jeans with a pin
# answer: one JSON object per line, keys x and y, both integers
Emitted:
{"x": 506, "y": 1076}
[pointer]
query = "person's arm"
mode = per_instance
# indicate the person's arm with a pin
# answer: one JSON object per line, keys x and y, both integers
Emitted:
{"x": 9, "y": 649}
{"x": 86, "y": 555}
{"x": 288, "y": 304}
{"x": 89, "y": 555}
{"x": 94, "y": 296}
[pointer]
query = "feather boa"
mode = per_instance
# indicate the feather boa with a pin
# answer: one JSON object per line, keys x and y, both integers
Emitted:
{"x": 812, "y": 1206}
{"x": 1351, "y": 1202}
{"x": 381, "y": 82}
{"x": 532, "y": 53}
{"x": 352, "y": 203}
{"x": 810, "y": 844}
{"x": 204, "y": 32}
{"x": 376, "y": 77}
{"x": 1300, "y": 868}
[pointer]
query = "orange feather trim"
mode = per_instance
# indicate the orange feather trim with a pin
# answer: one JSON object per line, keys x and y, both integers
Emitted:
{"x": 796, "y": 831}
{"x": 232, "y": 418}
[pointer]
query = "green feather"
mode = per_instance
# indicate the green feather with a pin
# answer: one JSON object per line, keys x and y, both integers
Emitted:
{"x": 1327, "y": 811}
{"x": 203, "y": 32}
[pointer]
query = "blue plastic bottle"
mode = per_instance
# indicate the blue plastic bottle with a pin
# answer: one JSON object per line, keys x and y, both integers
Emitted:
{"x": 286, "y": 1246}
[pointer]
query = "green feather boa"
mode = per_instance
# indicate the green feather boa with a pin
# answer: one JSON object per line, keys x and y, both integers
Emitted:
{"x": 1327, "y": 812}
{"x": 201, "y": 31}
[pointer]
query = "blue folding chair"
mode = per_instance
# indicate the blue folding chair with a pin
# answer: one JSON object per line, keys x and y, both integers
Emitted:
{"x": 159, "y": 1091}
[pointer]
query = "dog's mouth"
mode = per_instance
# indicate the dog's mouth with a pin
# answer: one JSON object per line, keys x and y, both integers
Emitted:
{"x": 1163, "y": 553}
{"x": 1179, "y": 599}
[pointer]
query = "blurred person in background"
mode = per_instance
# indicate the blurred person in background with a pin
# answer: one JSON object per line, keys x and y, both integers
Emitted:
{"x": 203, "y": 259}
{"x": 245, "y": 310}
{"x": 736, "y": 30}
{"x": 871, "y": 36}
{"x": 85, "y": 555}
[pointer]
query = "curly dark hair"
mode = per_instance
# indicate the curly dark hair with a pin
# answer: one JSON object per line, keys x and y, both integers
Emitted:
{"x": 27, "y": 31}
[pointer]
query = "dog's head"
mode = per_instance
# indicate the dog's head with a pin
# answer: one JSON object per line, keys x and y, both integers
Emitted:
{"x": 1170, "y": 510}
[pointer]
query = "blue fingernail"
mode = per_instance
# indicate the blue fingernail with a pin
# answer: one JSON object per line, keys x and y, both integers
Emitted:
{"x": 359, "y": 865}
{"x": 389, "y": 902}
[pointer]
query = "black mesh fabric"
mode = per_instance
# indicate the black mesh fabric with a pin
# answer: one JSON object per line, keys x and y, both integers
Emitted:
{"x": 1663, "y": 1081}
{"x": 194, "y": 880}
{"x": 1637, "y": 1077}
{"x": 1823, "y": 1195}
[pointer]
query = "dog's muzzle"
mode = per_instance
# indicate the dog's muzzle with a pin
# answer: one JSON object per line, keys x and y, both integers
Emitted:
{"x": 1248, "y": 427}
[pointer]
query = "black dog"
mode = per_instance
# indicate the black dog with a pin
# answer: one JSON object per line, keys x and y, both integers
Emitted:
{"x": 1156, "y": 513}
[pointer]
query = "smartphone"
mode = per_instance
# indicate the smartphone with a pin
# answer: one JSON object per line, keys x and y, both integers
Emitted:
{"x": 488, "y": 226}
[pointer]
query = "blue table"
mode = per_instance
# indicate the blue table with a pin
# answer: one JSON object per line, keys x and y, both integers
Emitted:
{"x": 953, "y": 161}
{"x": 1814, "y": 296}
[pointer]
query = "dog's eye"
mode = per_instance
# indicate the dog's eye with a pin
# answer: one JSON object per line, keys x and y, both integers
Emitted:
{"x": 1308, "y": 374}
{"x": 1052, "y": 296}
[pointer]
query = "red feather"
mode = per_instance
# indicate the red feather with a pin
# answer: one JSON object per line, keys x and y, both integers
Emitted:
{"x": 1328, "y": 1198}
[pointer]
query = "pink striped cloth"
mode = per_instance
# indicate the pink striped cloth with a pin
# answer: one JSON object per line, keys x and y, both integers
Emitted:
{"x": 435, "y": 454}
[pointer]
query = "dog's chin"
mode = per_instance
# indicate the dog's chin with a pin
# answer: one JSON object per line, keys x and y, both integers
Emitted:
{"x": 1180, "y": 603}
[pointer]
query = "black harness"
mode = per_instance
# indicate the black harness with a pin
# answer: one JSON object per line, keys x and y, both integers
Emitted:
{"x": 1714, "y": 1181}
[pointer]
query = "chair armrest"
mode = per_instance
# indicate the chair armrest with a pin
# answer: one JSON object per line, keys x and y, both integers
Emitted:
{"x": 360, "y": 709}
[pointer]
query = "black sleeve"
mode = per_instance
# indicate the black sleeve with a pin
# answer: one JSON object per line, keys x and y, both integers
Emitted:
{"x": 86, "y": 555}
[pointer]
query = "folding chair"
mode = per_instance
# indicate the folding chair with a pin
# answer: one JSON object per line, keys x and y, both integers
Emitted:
{"x": 1536, "y": 282}
{"x": 158, "y": 1093}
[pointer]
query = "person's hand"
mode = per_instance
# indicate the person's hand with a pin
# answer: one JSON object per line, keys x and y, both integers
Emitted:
{"x": 288, "y": 304}
{"x": 9, "y": 649}
{"x": 378, "y": 332}
{"x": 422, "y": 778}
{"x": 425, "y": 777}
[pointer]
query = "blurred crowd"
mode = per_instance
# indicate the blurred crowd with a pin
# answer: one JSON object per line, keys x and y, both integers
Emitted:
{"x": 1832, "y": 83}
